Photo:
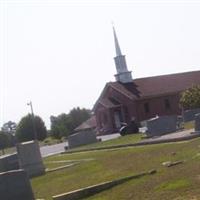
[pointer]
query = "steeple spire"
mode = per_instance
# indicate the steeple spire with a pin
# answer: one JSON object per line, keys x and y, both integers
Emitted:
{"x": 117, "y": 47}
{"x": 123, "y": 75}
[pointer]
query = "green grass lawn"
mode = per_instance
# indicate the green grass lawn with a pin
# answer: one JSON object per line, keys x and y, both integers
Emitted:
{"x": 180, "y": 182}
{"x": 188, "y": 125}
{"x": 121, "y": 140}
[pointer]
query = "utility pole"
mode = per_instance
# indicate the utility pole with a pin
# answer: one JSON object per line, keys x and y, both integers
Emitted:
{"x": 33, "y": 120}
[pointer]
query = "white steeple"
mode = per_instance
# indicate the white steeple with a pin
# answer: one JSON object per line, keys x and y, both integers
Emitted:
{"x": 123, "y": 75}
{"x": 117, "y": 47}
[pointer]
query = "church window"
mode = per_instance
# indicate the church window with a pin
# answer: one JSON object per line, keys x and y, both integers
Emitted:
{"x": 167, "y": 104}
{"x": 146, "y": 108}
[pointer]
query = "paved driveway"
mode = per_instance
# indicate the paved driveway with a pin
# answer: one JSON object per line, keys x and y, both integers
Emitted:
{"x": 52, "y": 149}
{"x": 58, "y": 148}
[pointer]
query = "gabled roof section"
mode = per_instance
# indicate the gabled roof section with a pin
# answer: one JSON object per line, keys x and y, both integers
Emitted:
{"x": 158, "y": 85}
{"x": 153, "y": 86}
{"x": 88, "y": 124}
{"x": 165, "y": 84}
{"x": 101, "y": 96}
{"x": 127, "y": 89}
{"x": 108, "y": 102}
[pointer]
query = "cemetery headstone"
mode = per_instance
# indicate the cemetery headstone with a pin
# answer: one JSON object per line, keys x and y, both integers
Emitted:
{"x": 189, "y": 115}
{"x": 15, "y": 185}
{"x": 30, "y": 158}
{"x": 81, "y": 138}
{"x": 9, "y": 162}
{"x": 161, "y": 125}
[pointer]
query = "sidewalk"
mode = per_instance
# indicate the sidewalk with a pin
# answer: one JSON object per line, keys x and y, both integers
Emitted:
{"x": 172, "y": 137}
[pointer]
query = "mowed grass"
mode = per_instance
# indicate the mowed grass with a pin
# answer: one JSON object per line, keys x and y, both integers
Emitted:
{"x": 178, "y": 182}
{"x": 189, "y": 125}
{"x": 121, "y": 140}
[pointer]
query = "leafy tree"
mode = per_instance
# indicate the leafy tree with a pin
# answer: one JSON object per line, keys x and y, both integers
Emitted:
{"x": 59, "y": 125}
{"x": 78, "y": 116}
{"x": 64, "y": 124}
{"x": 25, "y": 128}
{"x": 9, "y": 127}
{"x": 4, "y": 141}
{"x": 190, "y": 98}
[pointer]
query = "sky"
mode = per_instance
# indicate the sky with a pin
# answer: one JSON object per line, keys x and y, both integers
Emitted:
{"x": 59, "y": 53}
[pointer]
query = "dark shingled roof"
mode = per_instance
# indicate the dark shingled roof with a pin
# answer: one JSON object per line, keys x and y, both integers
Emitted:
{"x": 149, "y": 87}
{"x": 90, "y": 123}
{"x": 157, "y": 85}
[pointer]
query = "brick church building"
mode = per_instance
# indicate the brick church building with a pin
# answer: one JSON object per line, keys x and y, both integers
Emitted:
{"x": 141, "y": 98}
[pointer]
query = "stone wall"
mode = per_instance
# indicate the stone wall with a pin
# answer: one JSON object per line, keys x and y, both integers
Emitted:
{"x": 161, "y": 125}
{"x": 30, "y": 158}
{"x": 82, "y": 138}
{"x": 15, "y": 185}
{"x": 9, "y": 162}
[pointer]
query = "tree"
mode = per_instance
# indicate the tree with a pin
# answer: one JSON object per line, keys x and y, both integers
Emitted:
{"x": 190, "y": 99}
{"x": 64, "y": 124}
{"x": 4, "y": 141}
{"x": 9, "y": 127}
{"x": 25, "y": 128}
{"x": 59, "y": 125}
{"x": 78, "y": 116}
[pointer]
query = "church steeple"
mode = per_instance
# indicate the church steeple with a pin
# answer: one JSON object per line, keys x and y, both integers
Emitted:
{"x": 123, "y": 75}
{"x": 117, "y": 47}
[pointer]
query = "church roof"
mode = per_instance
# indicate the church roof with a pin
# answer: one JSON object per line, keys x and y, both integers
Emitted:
{"x": 88, "y": 124}
{"x": 157, "y": 85}
{"x": 150, "y": 87}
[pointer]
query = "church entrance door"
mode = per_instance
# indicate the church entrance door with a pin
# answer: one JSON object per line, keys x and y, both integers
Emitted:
{"x": 117, "y": 118}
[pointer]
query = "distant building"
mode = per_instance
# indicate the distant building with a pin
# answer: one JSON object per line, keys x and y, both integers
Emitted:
{"x": 89, "y": 124}
{"x": 142, "y": 98}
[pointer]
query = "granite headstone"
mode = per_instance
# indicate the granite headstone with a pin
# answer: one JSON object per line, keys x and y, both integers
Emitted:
{"x": 30, "y": 158}
{"x": 161, "y": 125}
{"x": 81, "y": 138}
{"x": 15, "y": 185}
